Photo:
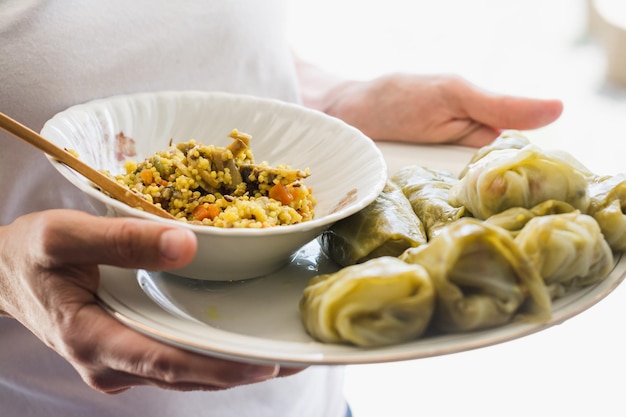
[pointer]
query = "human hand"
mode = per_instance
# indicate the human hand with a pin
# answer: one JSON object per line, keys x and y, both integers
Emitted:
{"x": 434, "y": 109}
{"x": 48, "y": 280}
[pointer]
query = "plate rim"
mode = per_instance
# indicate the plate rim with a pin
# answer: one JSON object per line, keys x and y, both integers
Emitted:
{"x": 160, "y": 324}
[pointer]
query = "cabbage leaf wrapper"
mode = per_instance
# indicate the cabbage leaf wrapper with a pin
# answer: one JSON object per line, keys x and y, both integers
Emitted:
{"x": 515, "y": 218}
{"x": 509, "y": 139}
{"x": 386, "y": 227}
{"x": 383, "y": 301}
{"x": 482, "y": 279}
{"x": 568, "y": 250}
{"x": 428, "y": 191}
{"x": 523, "y": 177}
{"x": 608, "y": 207}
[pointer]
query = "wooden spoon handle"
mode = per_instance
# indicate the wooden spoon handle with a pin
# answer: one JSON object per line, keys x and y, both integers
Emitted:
{"x": 106, "y": 184}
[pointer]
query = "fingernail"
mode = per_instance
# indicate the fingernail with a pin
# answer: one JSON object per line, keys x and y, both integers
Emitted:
{"x": 261, "y": 373}
{"x": 172, "y": 244}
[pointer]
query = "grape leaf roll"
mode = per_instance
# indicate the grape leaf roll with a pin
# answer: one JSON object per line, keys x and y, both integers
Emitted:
{"x": 386, "y": 227}
{"x": 509, "y": 139}
{"x": 515, "y": 218}
{"x": 523, "y": 177}
{"x": 608, "y": 207}
{"x": 481, "y": 277}
{"x": 383, "y": 301}
{"x": 428, "y": 191}
{"x": 568, "y": 250}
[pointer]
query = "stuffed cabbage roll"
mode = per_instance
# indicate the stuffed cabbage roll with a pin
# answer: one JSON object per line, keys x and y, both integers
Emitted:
{"x": 386, "y": 227}
{"x": 515, "y": 218}
{"x": 428, "y": 191}
{"x": 509, "y": 139}
{"x": 481, "y": 277}
{"x": 380, "y": 302}
{"x": 568, "y": 250}
{"x": 608, "y": 207}
{"x": 523, "y": 177}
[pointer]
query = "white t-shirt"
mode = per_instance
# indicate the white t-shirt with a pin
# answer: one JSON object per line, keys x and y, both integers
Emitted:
{"x": 54, "y": 54}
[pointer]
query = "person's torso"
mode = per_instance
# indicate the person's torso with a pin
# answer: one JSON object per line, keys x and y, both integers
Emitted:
{"x": 54, "y": 54}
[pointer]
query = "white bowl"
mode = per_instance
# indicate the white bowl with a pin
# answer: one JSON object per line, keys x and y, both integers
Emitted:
{"x": 347, "y": 169}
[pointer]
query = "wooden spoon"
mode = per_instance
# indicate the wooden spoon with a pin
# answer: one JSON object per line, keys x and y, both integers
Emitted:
{"x": 106, "y": 184}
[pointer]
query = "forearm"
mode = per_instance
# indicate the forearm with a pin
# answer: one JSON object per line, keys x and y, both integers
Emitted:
{"x": 319, "y": 89}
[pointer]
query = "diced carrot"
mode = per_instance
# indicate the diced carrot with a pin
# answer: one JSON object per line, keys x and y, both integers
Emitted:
{"x": 206, "y": 211}
{"x": 146, "y": 177}
{"x": 280, "y": 193}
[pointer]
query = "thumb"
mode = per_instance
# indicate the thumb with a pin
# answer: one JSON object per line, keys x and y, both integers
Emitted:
{"x": 80, "y": 238}
{"x": 509, "y": 112}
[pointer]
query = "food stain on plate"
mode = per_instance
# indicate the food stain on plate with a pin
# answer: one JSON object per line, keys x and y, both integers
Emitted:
{"x": 349, "y": 198}
{"x": 213, "y": 313}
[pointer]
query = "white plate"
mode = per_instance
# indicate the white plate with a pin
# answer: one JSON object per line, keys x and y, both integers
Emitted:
{"x": 258, "y": 320}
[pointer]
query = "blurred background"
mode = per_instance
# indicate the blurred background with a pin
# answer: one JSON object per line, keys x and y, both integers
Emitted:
{"x": 563, "y": 49}
{"x": 525, "y": 47}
